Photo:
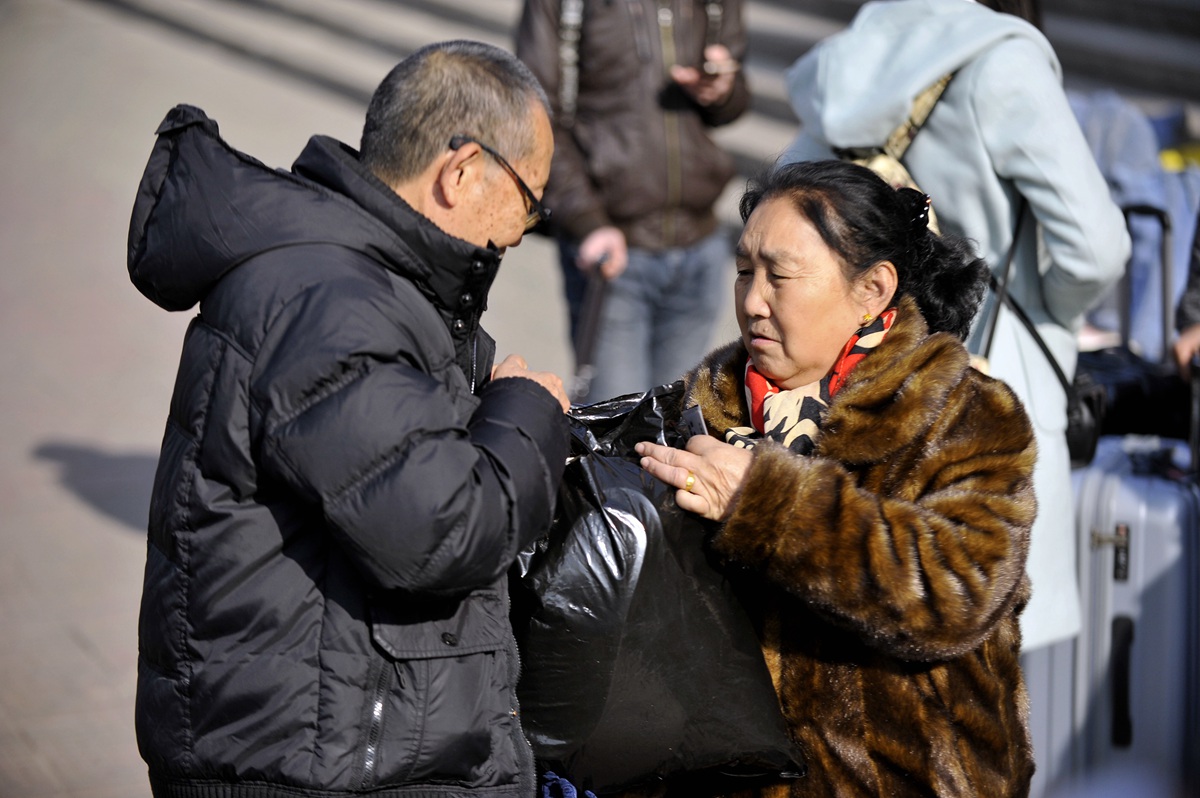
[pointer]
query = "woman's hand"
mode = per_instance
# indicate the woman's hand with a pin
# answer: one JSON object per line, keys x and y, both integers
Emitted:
{"x": 716, "y": 470}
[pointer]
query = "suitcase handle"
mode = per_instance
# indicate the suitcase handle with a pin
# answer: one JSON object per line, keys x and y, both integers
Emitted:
{"x": 1122, "y": 653}
{"x": 1168, "y": 292}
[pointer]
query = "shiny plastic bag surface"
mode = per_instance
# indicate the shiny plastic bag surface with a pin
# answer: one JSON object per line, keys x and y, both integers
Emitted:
{"x": 638, "y": 662}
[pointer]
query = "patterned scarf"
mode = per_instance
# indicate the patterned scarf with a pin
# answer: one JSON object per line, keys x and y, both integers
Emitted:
{"x": 793, "y": 417}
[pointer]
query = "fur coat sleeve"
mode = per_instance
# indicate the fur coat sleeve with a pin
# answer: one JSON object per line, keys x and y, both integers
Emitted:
{"x": 909, "y": 526}
{"x": 886, "y": 571}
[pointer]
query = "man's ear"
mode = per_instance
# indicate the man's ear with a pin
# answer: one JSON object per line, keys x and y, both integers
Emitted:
{"x": 459, "y": 169}
{"x": 877, "y": 288}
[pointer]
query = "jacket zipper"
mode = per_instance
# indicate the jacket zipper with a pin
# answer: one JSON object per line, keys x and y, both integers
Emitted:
{"x": 515, "y": 712}
{"x": 474, "y": 363}
{"x": 666, "y": 27}
{"x": 371, "y": 754}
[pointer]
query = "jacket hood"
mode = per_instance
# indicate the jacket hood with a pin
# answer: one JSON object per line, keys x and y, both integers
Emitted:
{"x": 203, "y": 208}
{"x": 855, "y": 87}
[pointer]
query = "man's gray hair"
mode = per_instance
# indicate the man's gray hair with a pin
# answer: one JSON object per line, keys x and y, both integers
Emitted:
{"x": 443, "y": 90}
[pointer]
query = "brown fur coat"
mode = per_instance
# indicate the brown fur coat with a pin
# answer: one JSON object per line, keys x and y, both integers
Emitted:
{"x": 887, "y": 571}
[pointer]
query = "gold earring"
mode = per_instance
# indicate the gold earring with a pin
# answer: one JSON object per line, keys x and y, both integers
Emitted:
{"x": 867, "y": 318}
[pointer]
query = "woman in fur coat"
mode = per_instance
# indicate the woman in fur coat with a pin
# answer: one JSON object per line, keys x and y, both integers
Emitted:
{"x": 873, "y": 491}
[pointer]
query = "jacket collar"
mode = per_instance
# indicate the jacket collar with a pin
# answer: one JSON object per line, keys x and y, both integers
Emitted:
{"x": 455, "y": 274}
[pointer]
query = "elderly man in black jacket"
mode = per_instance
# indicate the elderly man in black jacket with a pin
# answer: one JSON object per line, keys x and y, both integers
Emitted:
{"x": 345, "y": 479}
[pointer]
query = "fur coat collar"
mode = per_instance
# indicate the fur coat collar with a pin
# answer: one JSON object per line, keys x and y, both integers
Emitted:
{"x": 886, "y": 571}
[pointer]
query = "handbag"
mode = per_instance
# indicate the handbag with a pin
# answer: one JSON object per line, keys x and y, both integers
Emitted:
{"x": 1143, "y": 397}
{"x": 639, "y": 664}
{"x": 1086, "y": 398}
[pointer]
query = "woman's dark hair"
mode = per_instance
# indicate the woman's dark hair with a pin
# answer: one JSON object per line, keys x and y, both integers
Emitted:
{"x": 1028, "y": 10}
{"x": 866, "y": 221}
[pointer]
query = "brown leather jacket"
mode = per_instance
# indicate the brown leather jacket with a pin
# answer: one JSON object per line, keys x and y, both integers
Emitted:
{"x": 637, "y": 153}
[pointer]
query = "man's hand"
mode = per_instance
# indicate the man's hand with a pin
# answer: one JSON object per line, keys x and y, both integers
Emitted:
{"x": 515, "y": 366}
{"x": 606, "y": 246}
{"x": 711, "y": 83}
{"x": 1186, "y": 348}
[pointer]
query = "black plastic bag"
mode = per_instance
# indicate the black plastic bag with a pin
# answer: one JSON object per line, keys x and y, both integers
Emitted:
{"x": 639, "y": 663}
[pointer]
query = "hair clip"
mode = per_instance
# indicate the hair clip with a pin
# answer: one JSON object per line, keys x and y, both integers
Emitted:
{"x": 918, "y": 204}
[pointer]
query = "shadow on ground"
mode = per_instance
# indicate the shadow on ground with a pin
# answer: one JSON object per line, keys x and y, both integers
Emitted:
{"x": 117, "y": 484}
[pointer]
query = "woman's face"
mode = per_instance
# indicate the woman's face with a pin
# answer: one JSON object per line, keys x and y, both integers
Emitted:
{"x": 795, "y": 308}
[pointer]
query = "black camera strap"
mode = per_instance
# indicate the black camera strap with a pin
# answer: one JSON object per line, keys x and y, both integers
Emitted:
{"x": 1000, "y": 289}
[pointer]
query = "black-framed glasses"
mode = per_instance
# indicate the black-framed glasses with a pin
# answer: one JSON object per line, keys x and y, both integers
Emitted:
{"x": 533, "y": 206}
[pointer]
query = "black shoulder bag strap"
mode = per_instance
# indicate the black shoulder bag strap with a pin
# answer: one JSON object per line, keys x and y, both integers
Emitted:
{"x": 1000, "y": 289}
{"x": 1085, "y": 404}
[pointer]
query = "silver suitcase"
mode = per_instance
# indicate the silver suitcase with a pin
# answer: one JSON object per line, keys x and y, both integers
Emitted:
{"x": 1137, "y": 705}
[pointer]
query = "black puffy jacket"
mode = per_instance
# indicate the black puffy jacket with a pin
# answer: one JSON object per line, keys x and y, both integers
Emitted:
{"x": 338, "y": 499}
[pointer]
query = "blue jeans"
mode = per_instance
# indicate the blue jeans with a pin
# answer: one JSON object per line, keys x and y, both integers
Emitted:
{"x": 657, "y": 318}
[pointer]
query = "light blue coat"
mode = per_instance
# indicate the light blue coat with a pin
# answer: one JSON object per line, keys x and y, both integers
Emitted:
{"x": 1002, "y": 129}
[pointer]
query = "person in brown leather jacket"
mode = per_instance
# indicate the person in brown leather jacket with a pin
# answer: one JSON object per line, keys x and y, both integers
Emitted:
{"x": 635, "y": 175}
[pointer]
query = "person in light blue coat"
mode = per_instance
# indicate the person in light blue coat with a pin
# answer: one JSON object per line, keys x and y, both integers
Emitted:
{"x": 1002, "y": 130}
{"x": 1001, "y": 137}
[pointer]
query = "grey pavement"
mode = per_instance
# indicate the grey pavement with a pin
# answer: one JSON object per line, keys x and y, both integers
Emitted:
{"x": 88, "y": 364}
